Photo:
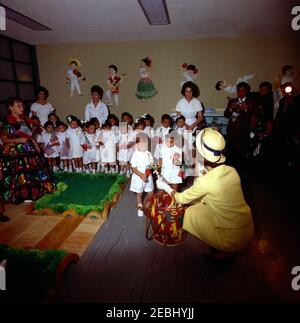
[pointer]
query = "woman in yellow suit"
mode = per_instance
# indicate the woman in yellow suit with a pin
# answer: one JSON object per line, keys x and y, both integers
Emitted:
{"x": 218, "y": 213}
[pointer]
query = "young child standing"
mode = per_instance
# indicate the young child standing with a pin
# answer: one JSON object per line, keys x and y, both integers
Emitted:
{"x": 91, "y": 153}
{"x": 64, "y": 146}
{"x": 107, "y": 141}
{"x": 161, "y": 132}
{"x": 50, "y": 144}
{"x": 75, "y": 134}
{"x": 141, "y": 180}
{"x": 124, "y": 149}
{"x": 170, "y": 161}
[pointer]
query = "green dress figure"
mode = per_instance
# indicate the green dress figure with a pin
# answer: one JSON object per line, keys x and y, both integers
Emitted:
{"x": 145, "y": 88}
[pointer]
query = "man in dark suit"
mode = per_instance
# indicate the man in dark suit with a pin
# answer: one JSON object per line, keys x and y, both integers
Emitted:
{"x": 242, "y": 117}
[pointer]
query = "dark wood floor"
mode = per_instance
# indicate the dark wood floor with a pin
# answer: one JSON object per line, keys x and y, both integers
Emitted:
{"x": 120, "y": 265}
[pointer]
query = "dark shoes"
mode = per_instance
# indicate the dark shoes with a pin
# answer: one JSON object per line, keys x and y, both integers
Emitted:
{"x": 4, "y": 218}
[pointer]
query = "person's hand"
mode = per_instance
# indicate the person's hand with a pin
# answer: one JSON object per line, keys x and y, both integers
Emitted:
{"x": 143, "y": 177}
{"x": 22, "y": 140}
{"x": 161, "y": 185}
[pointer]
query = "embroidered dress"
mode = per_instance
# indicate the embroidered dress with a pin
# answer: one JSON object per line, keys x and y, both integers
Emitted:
{"x": 26, "y": 172}
{"x": 145, "y": 88}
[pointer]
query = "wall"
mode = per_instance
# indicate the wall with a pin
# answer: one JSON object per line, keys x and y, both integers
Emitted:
{"x": 215, "y": 59}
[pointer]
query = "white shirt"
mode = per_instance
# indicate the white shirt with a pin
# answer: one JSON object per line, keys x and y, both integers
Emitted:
{"x": 100, "y": 112}
{"x": 141, "y": 160}
{"x": 167, "y": 155}
{"x": 42, "y": 111}
{"x": 189, "y": 109}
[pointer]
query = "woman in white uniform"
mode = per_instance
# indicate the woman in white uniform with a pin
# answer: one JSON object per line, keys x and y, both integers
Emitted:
{"x": 42, "y": 108}
{"x": 189, "y": 106}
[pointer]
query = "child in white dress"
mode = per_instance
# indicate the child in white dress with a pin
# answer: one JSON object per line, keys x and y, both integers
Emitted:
{"x": 91, "y": 152}
{"x": 141, "y": 163}
{"x": 75, "y": 134}
{"x": 124, "y": 148}
{"x": 50, "y": 144}
{"x": 64, "y": 146}
{"x": 161, "y": 132}
{"x": 108, "y": 148}
{"x": 170, "y": 161}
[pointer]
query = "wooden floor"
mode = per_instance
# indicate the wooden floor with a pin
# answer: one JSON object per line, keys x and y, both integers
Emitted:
{"x": 120, "y": 265}
{"x": 70, "y": 233}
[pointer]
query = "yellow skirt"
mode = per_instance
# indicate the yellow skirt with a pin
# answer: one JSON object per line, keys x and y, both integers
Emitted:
{"x": 198, "y": 221}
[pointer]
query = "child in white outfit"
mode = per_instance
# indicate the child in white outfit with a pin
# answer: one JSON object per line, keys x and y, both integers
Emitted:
{"x": 141, "y": 163}
{"x": 91, "y": 152}
{"x": 108, "y": 150}
{"x": 170, "y": 161}
{"x": 75, "y": 135}
{"x": 124, "y": 148}
{"x": 50, "y": 144}
{"x": 64, "y": 146}
{"x": 161, "y": 132}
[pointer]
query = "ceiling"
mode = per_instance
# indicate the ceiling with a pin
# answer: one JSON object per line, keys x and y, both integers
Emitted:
{"x": 77, "y": 21}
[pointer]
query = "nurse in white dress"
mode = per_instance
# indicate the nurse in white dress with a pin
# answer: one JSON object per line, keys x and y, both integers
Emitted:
{"x": 96, "y": 108}
{"x": 189, "y": 106}
{"x": 42, "y": 108}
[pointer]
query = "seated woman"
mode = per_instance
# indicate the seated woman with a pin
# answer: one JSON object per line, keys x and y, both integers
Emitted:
{"x": 218, "y": 214}
{"x": 25, "y": 171}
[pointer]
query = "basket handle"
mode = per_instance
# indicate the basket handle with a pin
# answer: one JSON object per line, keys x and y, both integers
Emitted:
{"x": 147, "y": 227}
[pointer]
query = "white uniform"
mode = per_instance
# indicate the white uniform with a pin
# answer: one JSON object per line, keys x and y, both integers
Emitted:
{"x": 171, "y": 169}
{"x": 189, "y": 109}
{"x": 47, "y": 139}
{"x": 100, "y": 112}
{"x": 124, "y": 155}
{"x": 141, "y": 160}
{"x": 76, "y": 140}
{"x": 161, "y": 133}
{"x": 64, "y": 148}
{"x": 42, "y": 111}
{"x": 108, "y": 152}
{"x": 92, "y": 154}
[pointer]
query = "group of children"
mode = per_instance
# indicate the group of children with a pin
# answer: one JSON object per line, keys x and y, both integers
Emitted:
{"x": 118, "y": 146}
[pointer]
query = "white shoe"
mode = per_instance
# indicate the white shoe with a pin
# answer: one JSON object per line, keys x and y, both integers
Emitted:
{"x": 87, "y": 171}
{"x": 93, "y": 171}
{"x": 122, "y": 172}
{"x": 140, "y": 213}
{"x": 55, "y": 169}
{"x": 102, "y": 170}
{"x": 70, "y": 170}
{"x": 106, "y": 170}
{"x": 128, "y": 174}
{"x": 66, "y": 169}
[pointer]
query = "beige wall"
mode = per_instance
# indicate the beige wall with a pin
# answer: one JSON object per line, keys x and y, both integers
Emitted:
{"x": 215, "y": 59}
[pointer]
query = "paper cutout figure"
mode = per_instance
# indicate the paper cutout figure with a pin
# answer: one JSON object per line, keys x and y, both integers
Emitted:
{"x": 113, "y": 83}
{"x": 189, "y": 72}
{"x": 74, "y": 76}
{"x": 145, "y": 88}
{"x": 230, "y": 88}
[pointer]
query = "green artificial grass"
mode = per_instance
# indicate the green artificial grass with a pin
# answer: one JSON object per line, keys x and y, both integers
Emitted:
{"x": 30, "y": 273}
{"x": 82, "y": 192}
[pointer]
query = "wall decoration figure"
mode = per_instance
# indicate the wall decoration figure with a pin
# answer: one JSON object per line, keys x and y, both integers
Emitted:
{"x": 145, "y": 88}
{"x": 74, "y": 76}
{"x": 189, "y": 72}
{"x": 113, "y": 83}
{"x": 230, "y": 88}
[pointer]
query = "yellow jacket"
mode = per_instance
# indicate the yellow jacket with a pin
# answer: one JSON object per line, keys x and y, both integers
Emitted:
{"x": 221, "y": 196}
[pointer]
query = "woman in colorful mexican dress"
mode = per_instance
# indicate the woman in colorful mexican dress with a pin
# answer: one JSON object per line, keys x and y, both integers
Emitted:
{"x": 26, "y": 172}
